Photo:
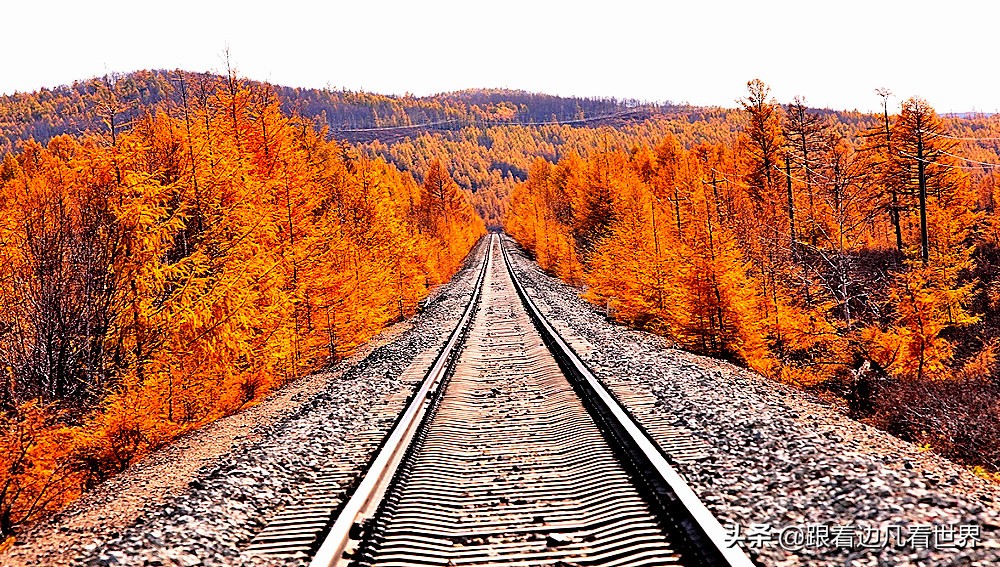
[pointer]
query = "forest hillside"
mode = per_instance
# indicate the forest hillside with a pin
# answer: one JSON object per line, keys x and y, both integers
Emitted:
{"x": 486, "y": 138}
{"x": 185, "y": 260}
{"x": 857, "y": 259}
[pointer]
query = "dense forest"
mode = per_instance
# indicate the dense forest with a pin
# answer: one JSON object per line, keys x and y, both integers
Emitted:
{"x": 486, "y": 138}
{"x": 856, "y": 259}
{"x": 419, "y": 130}
{"x": 184, "y": 262}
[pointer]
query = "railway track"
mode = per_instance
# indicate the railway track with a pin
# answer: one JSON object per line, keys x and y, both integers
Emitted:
{"x": 511, "y": 451}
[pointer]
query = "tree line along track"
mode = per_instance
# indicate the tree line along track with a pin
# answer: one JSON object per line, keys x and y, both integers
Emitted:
{"x": 512, "y": 452}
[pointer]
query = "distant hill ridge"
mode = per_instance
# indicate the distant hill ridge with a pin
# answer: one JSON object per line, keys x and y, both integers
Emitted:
{"x": 351, "y": 115}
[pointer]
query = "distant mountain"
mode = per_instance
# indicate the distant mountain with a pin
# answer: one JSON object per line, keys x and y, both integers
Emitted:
{"x": 353, "y": 116}
{"x": 967, "y": 115}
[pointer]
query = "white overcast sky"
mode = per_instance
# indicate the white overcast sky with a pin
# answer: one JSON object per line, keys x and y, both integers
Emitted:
{"x": 833, "y": 53}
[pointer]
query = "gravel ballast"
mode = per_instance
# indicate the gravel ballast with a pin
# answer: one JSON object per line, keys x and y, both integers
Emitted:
{"x": 774, "y": 456}
{"x": 202, "y": 499}
{"x": 782, "y": 459}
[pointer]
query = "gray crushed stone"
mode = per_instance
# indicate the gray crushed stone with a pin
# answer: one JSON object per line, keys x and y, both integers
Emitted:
{"x": 780, "y": 458}
{"x": 777, "y": 457}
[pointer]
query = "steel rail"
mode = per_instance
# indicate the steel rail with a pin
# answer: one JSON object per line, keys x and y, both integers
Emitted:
{"x": 366, "y": 497}
{"x": 510, "y": 467}
{"x": 703, "y": 537}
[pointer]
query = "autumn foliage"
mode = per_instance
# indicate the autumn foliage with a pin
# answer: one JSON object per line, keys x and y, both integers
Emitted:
{"x": 200, "y": 240}
{"x": 853, "y": 259}
{"x": 156, "y": 277}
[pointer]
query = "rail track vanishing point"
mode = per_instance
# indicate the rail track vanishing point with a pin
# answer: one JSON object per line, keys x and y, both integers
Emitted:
{"x": 509, "y": 451}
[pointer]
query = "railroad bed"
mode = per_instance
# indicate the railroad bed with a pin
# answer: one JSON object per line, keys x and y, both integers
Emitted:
{"x": 755, "y": 451}
{"x": 511, "y": 467}
{"x": 507, "y": 455}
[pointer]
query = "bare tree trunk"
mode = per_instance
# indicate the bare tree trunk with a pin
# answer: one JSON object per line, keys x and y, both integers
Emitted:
{"x": 791, "y": 206}
{"x": 894, "y": 198}
{"x": 922, "y": 184}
